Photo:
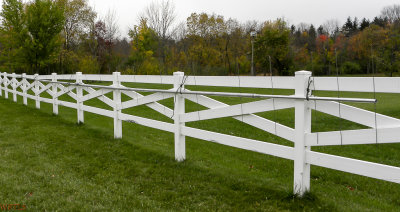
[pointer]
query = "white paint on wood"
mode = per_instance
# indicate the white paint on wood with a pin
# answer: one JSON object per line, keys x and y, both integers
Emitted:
{"x": 351, "y": 137}
{"x": 253, "y": 120}
{"x": 98, "y": 111}
{"x": 45, "y": 88}
{"x": 241, "y": 143}
{"x": 24, "y": 90}
{"x": 36, "y": 91}
{"x": 302, "y": 126}
{"x": 66, "y": 90}
{"x": 146, "y": 100}
{"x": 14, "y": 86}
{"x": 358, "y": 84}
{"x": 179, "y": 109}
{"x": 239, "y": 109}
{"x": 79, "y": 94}
{"x": 67, "y": 104}
{"x": 148, "y": 122}
{"x": 102, "y": 98}
{"x": 95, "y": 94}
{"x": 30, "y": 86}
{"x": 1, "y": 84}
{"x": 355, "y": 114}
{"x": 245, "y": 81}
{"x": 359, "y": 167}
{"x": 54, "y": 92}
{"x": 157, "y": 79}
{"x": 6, "y": 83}
{"x": 153, "y": 105}
{"x": 98, "y": 77}
{"x": 117, "y": 106}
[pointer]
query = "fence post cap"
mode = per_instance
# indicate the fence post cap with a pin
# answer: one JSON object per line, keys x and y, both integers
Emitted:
{"x": 303, "y": 73}
{"x": 53, "y": 74}
{"x": 78, "y": 73}
{"x": 116, "y": 73}
{"x": 179, "y": 73}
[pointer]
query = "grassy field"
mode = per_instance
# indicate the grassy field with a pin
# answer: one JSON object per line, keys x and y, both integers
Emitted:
{"x": 49, "y": 163}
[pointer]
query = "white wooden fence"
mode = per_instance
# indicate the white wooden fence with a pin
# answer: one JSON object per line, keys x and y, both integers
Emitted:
{"x": 382, "y": 129}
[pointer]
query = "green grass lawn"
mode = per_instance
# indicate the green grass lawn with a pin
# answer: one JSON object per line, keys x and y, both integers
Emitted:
{"x": 49, "y": 163}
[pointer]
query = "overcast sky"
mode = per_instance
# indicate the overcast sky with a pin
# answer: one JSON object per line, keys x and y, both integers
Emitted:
{"x": 295, "y": 11}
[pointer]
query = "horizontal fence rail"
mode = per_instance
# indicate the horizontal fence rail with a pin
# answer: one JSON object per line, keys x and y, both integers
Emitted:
{"x": 381, "y": 128}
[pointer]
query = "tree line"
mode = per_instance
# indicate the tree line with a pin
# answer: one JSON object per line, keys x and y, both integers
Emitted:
{"x": 65, "y": 36}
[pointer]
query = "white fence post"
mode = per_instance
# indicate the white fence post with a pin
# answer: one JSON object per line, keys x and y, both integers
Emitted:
{"x": 79, "y": 94}
{"x": 14, "y": 87}
{"x": 117, "y": 106}
{"x": 55, "y": 99}
{"x": 24, "y": 97}
{"x": 5, "y": 85}
{"x": 1, "y": 83}
{"x": 37, "y": 88}
{"x": 179, "y": 108}
{"x": 302, "y": 126}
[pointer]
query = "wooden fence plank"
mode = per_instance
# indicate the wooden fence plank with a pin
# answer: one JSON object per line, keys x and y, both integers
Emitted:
{"x": 102, "y": 98}
{"x": 355, "y": 114}
{"x": 358, "y": 84}
{"x": 245, "y": 81}
{"x": 146, "y": 100}
{"x": 242, "y": 143}
{"x": 351, "y": 137}
{"x": 239, "y": 109}
{"x": 166, "y": 111}
{"x": 95, "y": 94}
{"x": 147, "y": 122}
{"x": 359, "y": 167}
{"x": 253, "y": 120}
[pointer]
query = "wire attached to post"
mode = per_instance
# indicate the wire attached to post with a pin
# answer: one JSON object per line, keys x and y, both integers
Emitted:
{"x": 163, "y": 95}
{"x": 273, "y": 99}
{"x": 373, "y": 81}
{"x": 197, "y": 98}
{"x": 315, "y": 107}
{"x": 240, "y": 91}
{"x": 338, "y": 95}
{"x": 179, "y": 90}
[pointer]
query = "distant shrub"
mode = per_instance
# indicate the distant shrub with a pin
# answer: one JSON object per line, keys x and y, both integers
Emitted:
{"x": 89, "y": 65}
{"x": 351, "y": 68}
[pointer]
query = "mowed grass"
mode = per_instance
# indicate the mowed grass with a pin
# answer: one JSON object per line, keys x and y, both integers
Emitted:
{"x": 49, "y": 163}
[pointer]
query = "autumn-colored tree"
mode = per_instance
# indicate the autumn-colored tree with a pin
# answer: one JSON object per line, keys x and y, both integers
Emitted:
{"x": 144, "y": 44}
{"x": 274, "y": 42}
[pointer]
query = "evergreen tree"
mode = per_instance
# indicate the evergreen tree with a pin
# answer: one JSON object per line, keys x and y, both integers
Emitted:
{"x": 364, "y": 24}
{"x": 347, "y": 28}
{"x": 320, "y": 30}
{"x": 379, "y": 21}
